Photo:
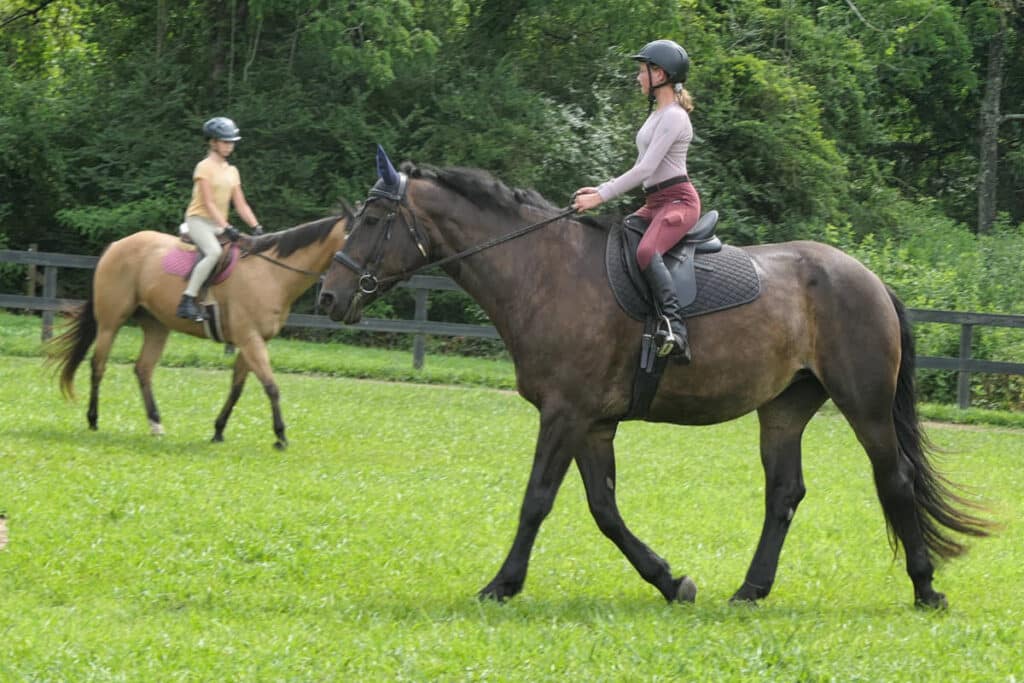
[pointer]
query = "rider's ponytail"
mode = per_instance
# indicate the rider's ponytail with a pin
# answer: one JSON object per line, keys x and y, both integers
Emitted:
{"x": 683, "y": 97}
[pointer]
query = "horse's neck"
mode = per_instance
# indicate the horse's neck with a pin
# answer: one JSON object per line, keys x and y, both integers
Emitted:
{"x": 307, "y": 262}
{"x": 511, "y": 281}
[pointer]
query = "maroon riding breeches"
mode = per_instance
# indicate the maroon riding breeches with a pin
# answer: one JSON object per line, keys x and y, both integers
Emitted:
{"x": 672, "y": 213}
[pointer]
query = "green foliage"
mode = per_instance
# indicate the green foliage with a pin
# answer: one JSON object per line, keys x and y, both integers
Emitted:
{"x": 807, "y": 113}
{"x": 935, "y": 263}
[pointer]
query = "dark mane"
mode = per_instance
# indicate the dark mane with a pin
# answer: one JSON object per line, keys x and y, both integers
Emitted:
{"x": 486, "y": 191}
{"x": 287, "y": 242}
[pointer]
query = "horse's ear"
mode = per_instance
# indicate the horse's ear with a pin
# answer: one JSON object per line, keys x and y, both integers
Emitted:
{"x": 346, "y": 210}
{"x": 385, "y": 169}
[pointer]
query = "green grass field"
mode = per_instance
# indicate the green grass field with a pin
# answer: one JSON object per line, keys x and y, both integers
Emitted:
{"x": 356, "y": 554}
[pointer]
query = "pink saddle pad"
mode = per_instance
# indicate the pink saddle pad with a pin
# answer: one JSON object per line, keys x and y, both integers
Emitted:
{"x": 179, "y": 261}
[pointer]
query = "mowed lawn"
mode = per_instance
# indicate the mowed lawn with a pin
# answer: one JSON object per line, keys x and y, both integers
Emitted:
{"x": 356, "y": 554}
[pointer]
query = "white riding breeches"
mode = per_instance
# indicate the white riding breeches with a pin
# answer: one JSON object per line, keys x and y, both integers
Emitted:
{"x": 204, "y": 234}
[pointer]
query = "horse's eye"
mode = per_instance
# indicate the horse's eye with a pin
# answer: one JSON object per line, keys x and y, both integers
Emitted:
{"x": 371, "y": 220}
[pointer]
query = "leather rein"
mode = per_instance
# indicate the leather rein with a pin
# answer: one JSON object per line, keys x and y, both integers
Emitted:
{"x": 369, "y": 283}
{"x": 284, "y": 265}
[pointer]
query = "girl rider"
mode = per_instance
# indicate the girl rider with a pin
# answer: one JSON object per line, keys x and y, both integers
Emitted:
{"x": 672, "y": 204}
{"x": 216, "y": 185}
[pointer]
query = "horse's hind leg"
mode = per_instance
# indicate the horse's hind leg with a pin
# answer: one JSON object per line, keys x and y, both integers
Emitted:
{"x": 241, "y": 371}
{"x": 782, "y": 425}
{"x": 597, "y": 467}
{"x": 894, "y": 482}
{"x": 154, "y": 338}
{"x": 101, "y": 351}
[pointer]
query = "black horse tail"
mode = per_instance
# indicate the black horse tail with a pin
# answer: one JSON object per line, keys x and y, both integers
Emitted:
{"x": 68, "y": 350}
{"x": 935, "y": 496}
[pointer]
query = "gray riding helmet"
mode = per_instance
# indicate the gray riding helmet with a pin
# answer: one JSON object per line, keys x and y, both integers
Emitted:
{"x": 669, "y": 55}
{"x": 221, "y": 128}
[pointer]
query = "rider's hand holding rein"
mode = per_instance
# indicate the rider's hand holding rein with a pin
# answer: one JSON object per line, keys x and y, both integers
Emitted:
{"x": 586, "y": 198}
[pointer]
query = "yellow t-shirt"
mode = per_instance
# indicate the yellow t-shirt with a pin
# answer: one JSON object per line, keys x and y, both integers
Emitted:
{"x": 223, "y": 179}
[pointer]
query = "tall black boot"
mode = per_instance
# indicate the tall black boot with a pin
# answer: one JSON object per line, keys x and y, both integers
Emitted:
{"x": 189, "y": 310}
{"x": 664, "y": 292}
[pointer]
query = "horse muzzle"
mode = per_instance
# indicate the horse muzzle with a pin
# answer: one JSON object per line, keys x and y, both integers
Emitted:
{"x": 348, "y": 315}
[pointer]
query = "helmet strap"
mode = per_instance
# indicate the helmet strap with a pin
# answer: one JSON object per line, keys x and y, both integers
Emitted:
{"x": 651, "y": 99}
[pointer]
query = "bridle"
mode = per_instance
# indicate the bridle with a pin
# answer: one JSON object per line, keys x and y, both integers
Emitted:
{"x": 369, "y": 282}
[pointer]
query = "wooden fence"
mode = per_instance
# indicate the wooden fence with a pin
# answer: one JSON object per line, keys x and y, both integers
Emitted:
{"x": 420, "y": 326}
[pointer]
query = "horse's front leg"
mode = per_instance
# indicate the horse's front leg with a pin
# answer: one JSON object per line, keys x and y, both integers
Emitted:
{"x": 254, "y": 350}
{"x": 559, "y": 438}
{"x": 238, "y": 376}
{"x": 597, "y": 467}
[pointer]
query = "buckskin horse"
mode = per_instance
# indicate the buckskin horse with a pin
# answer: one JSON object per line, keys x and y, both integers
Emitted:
{"x": 823, "y": 327}
{"x": 253, "y": 304}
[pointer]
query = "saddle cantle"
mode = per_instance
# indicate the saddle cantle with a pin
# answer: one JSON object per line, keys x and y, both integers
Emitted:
{"x": 709, "y": 276}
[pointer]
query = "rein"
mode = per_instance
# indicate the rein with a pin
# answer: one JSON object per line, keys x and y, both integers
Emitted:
{"x": 284, "y": 265}
{"x": 368, "y": 280}
{"x": 478, "y": 248}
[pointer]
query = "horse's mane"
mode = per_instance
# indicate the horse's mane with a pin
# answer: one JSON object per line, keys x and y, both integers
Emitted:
{"x": 488, "y": 192}
{"x": 291, "y": 240}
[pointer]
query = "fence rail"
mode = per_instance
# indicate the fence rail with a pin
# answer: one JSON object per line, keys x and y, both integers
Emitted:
{"x": 48, "y": 303}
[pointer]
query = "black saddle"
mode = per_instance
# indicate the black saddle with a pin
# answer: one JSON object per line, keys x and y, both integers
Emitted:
{"x": 709, "y": 276}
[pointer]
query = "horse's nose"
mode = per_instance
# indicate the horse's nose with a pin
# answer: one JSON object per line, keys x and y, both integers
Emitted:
{"x": 326, "y": 301}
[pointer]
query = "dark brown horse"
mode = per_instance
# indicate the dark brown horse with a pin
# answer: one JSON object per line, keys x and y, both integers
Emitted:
{"x": 254, "y": 303}
{"x": 824, "y": 327}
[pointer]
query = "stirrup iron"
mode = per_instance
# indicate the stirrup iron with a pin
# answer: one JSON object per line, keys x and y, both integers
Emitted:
{"x": 664, "y": 337}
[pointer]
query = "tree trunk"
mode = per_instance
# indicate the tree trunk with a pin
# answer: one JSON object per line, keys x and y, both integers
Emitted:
{"x": 988, "y": 173}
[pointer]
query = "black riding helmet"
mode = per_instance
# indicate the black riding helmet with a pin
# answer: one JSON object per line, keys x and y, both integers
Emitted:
{"x": 221, "y": 128}
{"x": 669, "y": 55}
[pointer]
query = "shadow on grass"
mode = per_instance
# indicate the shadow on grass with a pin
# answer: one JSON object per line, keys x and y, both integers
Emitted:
{"x": 142, "y": 444}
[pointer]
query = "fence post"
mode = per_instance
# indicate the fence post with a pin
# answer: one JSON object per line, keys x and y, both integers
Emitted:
{"x": 419, "y": 342}
{"x": 30, "y": 276}
{"x": 963, "y": 379}
{"x": 49, "y": 292}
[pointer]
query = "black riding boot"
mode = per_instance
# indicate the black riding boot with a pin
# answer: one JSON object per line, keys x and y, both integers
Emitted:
{"x": 189, "y": 310}
{"x": 664, "y": 292}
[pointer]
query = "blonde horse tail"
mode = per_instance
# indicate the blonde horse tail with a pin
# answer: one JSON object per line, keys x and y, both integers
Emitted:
{"x": 69, "y": 349}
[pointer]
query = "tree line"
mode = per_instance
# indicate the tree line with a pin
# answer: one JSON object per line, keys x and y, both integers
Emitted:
{"x": 808, "y": 113}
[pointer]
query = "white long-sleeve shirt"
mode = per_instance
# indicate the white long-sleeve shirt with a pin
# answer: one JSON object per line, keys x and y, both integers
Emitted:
{"x": 661, "y": 143}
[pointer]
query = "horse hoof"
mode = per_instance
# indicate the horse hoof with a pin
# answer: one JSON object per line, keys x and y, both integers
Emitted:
{"x": 488, "y": 596}
{"x": 156, "y": 429}
{"x": 281, "y": 444}
{"x": 686, "y": 590}
{"x": 935, "y": 601}
{"x": 217, "y": 438}
{"x": 743, "y": 601}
